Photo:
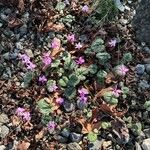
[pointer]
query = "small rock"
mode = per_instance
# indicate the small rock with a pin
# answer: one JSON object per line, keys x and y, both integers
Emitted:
{"x": 73, "y": 146}
{"x": 147, "y": 60}
{"x": 13, "y": 56}
{"x": 1, "y": 24}
{"x": 137, "y": 146}
{"x": 6, "y": 56}
{"x": 146, "y": 144}
{"x": 119, "y": 5}
{"x": 147, "y": 132}
{"x": 23, "y": 30}
{"x": 19, "y": 45}
{"x": 8, "y": 11}
{"x": 147, "y": 49}
{"x": 106, "y": 144}
{"x": 75, "y": 137}
{"x": 81, "y": 104}
{"x": 147, "y": 68}
{"x": 144, "y": 85}
{"x": 2, "y": 147}
{"x": 4, "y": 118}
{"x": 29, "y": 53}
{"x": 123, "y": 21}
{"x": 61, "y": 139}
{"x": 4, "y": 130}
{"x": 140, "y": 69}
{"x": 96, "y": 145}
{"x": 68, "y": 106}
{"x": 65, "y": 133}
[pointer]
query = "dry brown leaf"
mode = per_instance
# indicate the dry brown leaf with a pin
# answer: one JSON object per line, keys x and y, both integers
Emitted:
{"x": 14, "y": 22}
{"x": 53, "y": 27}
{"x": 27, "y": 126}
{"x": 40, "y": 135}
{"x": 102, "y": 92}
{"x": 23, "y": 145}
{"x": 110, "y": 78}
{"x": 15, "y": 120}
{"x": 21, "y": 5}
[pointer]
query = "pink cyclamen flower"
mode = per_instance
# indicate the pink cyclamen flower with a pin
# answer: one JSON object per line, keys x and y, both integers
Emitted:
{"x": 80, "y": 61}
{"x": 116, "y": 92}
{"x": 71, "y": 38}
{"x": 122, "y": 70}
{"x": 42, "y": 79}
{"x": 30, "y": 66}
{"x": 46, "y": 59}
{"x": 55, "y": 43}
{"x": 25, "y": 58}
{"x": 112, "y": 43}
{"x": 59, "y": 100}
{"x": 83, "y": 93}
{"x": 85, "y": 8}
{"x": 78, "y": 46}
{"x": 51, "y": 125}
{"x": 26, "y": 116}
{"x": 20, "y": 111}
{"x": 53, "y": 87}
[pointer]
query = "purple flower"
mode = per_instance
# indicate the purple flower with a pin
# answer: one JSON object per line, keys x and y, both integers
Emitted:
{"x": 25, "y": 58}
{"x": 112, "y": 43}
{"x": 42, "y": 79}
{"x": 51, "y": 126}
{"x": 53, "y": 87}
{"x": 121, "y": 70}
{"x": 78, "y": 46}
{"x": 55, "y": 43}
{"x": 71, "y": 38}
{"x": 30, "y": 66}
{"x": 80, "y": 61}
{"x": 26, "y": 116}
{"x": 116, "y": 92}
{"x": 83, "y": 93}
{"x": 59, "y": 100}
{"x": 85, "y": 8}
{"x": 20, "y": 111}
{"x": 46, "y": 59}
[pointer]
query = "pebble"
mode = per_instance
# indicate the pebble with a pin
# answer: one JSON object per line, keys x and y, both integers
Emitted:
{"x": 73, "y": 146}
{"x": 65, "y": 133}
{"x": 140, "y": 69}
{"x": 75, "y": 137}
{"x": 1, "y": 24}
{"x": 2, "y": 147}
{"x": 6, "y": 56}
{"x": 137, "y": 146}
{"x": 29, "y": 53}
{"x": 68, "y": 106}
{"x": 147, "y": 68}
{"x": 144, "y": 85}
{"x": 61, "y": 139}
{"x": 123, "y": 21}
{"x": 146, "y": 144}
{"x": 23, "y": 30}
{"x": 4, "y": 130}
{"x": 3, "y": 118}
{"x": 96, "y": 145}
{"x": 147, "y": 49}
{"x": 19, "y": 45}
{"x": 147, "y": 132}
{"x": 81, "y": 105}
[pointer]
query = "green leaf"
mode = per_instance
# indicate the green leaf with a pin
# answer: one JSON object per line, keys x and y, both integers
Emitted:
{"x": 106, "y": 125}
{"x": 109, "y": 98}
{"x": 28, "y": 78}
{"x": 63, "y": 81}
{"x": 92, "y": 137}
{"x": 103, "y": 57}
{"x": 81, "y": 73}
{"x": 93, "y": 68}
{"x": 44, "y": 107}
{"x": 127, "y": 57}
{"x": 101, "y": 75}
{"x": 69, "y": 63}
{"x": 137, "y": 128}
{"x": 50, "y": 83}
{"x": 55, "y": 63}
{"x": 60, "y": 6}
{"x": 70, "y": 92}
{"x": 73, "y": 80}
{"x": 147, "y": 105}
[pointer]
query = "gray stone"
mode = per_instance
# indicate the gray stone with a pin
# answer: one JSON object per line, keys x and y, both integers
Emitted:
{"x": 96, "y": 145}
{"x": 29, "y": 53}
{"x": 147, "y": 49}
{"x": 137, "y": 146}
{"x": 2, "y": 147}
{"x": 75, "y": 137}
{"x": 73, "y": 146}
{"x": 4, "y": 118}
{"x": 61, "y": 139}
{"x": 1, "y": 24}
{"x": 146, "y": 144}
{"x": 65, "y": 133}
{"x": 141, "y": 22}
{"x": 144, "y": 85}
{"x": 19, "y": 45}
{"x": 23, "y": 30}
{"x": 147, "y": 132}
{"x": 140, "y": 69}
{"x": 6, "y": 56}
{"x": 68, "y": 106}
{"x": 147, "y": 60}
{"x": 4, "y": 130}
{"x": 147, "y": 68}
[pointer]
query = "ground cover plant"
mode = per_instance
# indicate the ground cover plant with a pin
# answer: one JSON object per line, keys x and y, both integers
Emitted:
{"x": 77, "y": 86}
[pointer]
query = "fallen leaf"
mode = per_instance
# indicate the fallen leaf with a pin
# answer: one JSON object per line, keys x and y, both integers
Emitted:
{"x": 27, "y": 126}
{"x": 21, "y": 5}
{"x": 23, "y": 145}
{"x": 110, "y": 78}
{"x": 15, "y": 120}
{"x": 40, "y": 135}
{"x": 14, "y": 22}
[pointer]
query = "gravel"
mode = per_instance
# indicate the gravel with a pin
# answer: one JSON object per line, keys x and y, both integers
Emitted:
{"x": 146, "y": 144}
{"x": 73, "y": 146}
{"x": 140, "y": 69}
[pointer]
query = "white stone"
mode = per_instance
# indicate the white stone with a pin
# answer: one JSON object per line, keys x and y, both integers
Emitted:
{"x": 146, "y": 144}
